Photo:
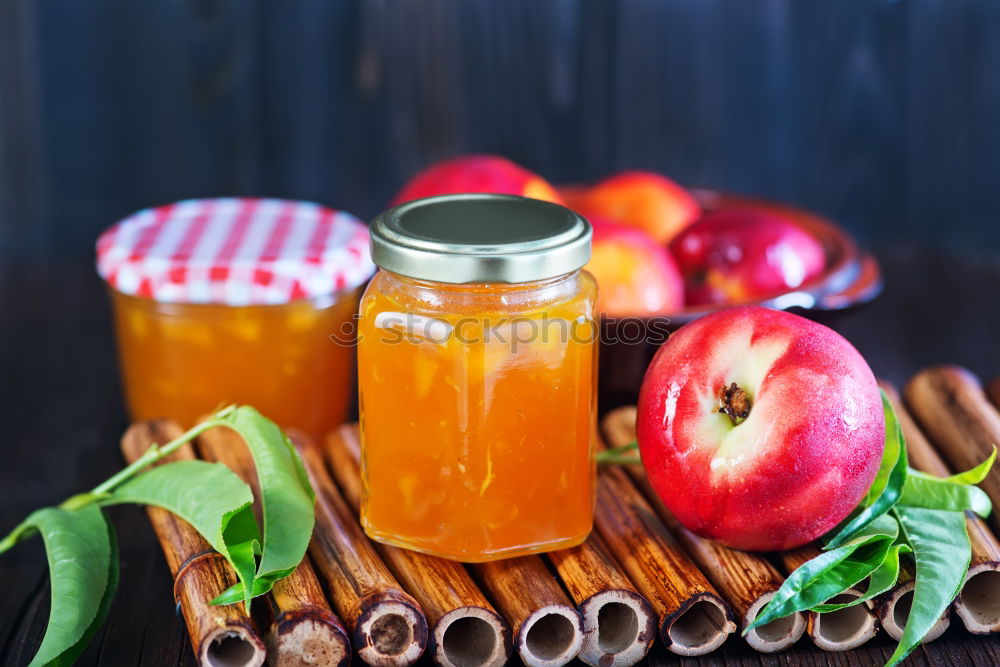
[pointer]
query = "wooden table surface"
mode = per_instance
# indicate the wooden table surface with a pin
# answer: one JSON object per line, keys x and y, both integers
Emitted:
{"x": 62, "y": 415}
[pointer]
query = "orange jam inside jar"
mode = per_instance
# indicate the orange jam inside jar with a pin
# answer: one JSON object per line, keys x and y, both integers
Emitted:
{"x": 477, "y": 376}
{"x": 249, "y": 301}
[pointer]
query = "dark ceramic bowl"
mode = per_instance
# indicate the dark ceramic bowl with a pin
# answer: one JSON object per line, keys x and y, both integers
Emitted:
{"x": 850, "y": 277}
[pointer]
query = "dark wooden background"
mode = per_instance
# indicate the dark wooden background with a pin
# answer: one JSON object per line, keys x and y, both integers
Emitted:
{"x": 883, "y": 114}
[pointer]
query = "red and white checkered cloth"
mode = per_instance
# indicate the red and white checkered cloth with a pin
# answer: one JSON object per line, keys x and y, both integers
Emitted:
{"x": 235, "y": 251}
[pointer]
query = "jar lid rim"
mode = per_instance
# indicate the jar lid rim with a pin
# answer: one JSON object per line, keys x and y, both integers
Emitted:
{"x": 480, "y": 238}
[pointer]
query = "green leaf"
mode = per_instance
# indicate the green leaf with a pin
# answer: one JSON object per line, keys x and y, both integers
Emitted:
{"x": 235, "y": 593}
{"x": 82, "y": 549}
{"x": 881, "y": 580}
{"x": 211, "y": 498}
{"x": 70, "y": 655}
{"x": 619, "y": 455}
{"x": 287, "y": 499}
{"x": 888, "y": 485}
{"x": 975, "y": 475}
{"x": 930, "y": 492}
{"x": 242, "y": 540}
{"x": 890, "y": 452}
{"x": 609, "y": 458}
{"x": 832, "y": 572}
{"x": 78, "y": 550}
{"x": 941, "y": 549}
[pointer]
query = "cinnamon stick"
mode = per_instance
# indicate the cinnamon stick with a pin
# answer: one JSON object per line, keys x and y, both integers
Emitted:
{"x": 694, "y": 620}
{"x": 388, "y": 626}
{"x": 619, "y": 625}
{"x": 840, "y": 630}
{"x": 993, "y": 391}
{"x": 302, "y": 630}
{"x": 465, "y": 629}
{"x": 978, "y": 602}
{"x": 220, "y": 634}
{"x": 949, "y": 404}
{"x": 548, "y": 631}
{"x": 745, "y": 580}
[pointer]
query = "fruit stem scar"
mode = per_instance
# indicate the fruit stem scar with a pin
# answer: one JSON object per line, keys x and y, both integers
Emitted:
{"x": 734, "y": 402}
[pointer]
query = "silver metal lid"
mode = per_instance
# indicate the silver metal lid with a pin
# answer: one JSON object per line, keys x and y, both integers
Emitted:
{"x": 480, "y": 238}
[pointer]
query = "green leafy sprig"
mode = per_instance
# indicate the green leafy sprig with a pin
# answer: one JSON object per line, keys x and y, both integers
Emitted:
{"x": 624, "y": 455}
{"x": 906, "y": 513}
{"x": 82, "y": 550}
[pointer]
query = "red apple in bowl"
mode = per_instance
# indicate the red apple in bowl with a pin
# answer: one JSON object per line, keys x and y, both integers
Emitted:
{"x": 635, "y": 276}
{"x": 758, "y": 428}
{"x": 477, "y": 173}
{"x": 740, "y": 254}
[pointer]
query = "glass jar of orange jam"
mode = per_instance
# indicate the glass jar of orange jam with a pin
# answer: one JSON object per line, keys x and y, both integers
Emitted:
{"x": 250, "y": 301}
{"x": 477, "y": 376}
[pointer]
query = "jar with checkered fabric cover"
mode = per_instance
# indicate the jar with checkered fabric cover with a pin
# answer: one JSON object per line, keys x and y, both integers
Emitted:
{"x": 236, "y": 300}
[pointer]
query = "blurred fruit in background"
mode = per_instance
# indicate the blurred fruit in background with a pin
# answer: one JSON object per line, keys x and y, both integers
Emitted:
{"x": 740, "y": 254}
{"x": 660, "y": 249}
{"x": 636, "y": 277}
{"x": 477, "y": 173}
{"x": 663, "y": 255}
{"x": 641, "y": 199}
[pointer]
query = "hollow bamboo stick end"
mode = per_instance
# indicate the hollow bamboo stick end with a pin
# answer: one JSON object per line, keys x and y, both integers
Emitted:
{"x": 221, "y": 635}
{"x": 548, "y": 630}
{"x": 845, "y": 629}
{"x": 550, "y": 636}
{"x": 388, "y": 626}
{"x": 619, "y": 628}
{"x": 697, "y": 621}
{"x": 465, "y": 630}
{"x": 699, "y": 626}
{"x": 390, "y": 632}
{"x": 776, "y": 635}
{"x": 231, "y": 645}
{"x": 894, "y": 610}
{"x": 306, "y": 637}
{"x": 978, "y": 603}
{"x": 302, "y": 628}
{"x": 470, "y": 637}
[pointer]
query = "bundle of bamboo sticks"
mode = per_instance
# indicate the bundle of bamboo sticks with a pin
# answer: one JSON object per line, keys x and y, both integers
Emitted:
{"x": 639, "y": 577}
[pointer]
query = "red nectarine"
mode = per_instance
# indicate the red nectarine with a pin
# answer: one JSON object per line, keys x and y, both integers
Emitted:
{"x": 759, "y": 428}
{"x": 735, "y": 255}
